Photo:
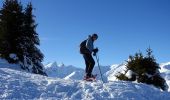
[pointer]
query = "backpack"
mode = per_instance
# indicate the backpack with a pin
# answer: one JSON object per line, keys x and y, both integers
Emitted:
{"x": 83, "y": 49}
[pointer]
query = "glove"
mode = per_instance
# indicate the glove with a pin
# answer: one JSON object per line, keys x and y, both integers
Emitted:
{"x": 95, "y": 51}
{"x": 94, "y": 54}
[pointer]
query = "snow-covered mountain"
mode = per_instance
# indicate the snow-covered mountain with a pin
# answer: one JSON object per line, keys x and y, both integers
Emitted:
{"x": 62, "y": 71}
{"x": 71, "y": 72}
{"x": 108, "y": 72}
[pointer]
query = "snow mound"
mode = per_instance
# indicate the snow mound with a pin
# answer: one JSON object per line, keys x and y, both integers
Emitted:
{"x": 165, "y": 72}
{"x": 21, "y": 85}
{"x": 5, "y": 64}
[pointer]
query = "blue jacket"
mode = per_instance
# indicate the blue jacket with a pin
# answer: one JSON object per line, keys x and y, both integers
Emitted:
{"x": 89, "y": 44}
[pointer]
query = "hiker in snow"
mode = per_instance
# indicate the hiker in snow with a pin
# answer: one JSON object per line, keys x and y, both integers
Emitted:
{"x": 86, "y": 49}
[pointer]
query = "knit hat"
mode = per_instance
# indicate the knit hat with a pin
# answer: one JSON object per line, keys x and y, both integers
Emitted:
{"x": 95, "y": 35}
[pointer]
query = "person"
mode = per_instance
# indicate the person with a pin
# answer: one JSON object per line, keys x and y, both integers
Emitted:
{"x": 87, "y": 49}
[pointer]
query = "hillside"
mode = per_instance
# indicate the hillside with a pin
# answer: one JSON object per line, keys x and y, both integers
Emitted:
{"x": 67, "y": 84}
{"x": 21, "y": 85}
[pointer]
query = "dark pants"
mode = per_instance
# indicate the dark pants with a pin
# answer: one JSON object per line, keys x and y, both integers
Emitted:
{"x": 89, "y": 61}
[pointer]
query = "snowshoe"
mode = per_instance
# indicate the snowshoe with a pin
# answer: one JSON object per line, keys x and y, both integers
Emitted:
{"x": 92, "y": 78}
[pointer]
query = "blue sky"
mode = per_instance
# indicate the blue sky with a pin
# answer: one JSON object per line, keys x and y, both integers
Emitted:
{"x": 124, "y": 27}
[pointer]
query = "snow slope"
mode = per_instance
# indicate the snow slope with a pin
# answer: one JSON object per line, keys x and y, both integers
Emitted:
{"x": 114, "y": 69}
{"x": 104, "y": 70}
{"x": 15, "y": 84}
{"x": 21, "y": 85}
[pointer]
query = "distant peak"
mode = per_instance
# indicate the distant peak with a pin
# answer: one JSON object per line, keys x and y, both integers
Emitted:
{"x": 61, "y": 65}
{"x": 53, "y": 64}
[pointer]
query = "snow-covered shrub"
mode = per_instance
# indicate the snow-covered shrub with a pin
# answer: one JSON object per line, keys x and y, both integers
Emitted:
{"x": 144, "y": 70}
{"x": 122, "y": 76}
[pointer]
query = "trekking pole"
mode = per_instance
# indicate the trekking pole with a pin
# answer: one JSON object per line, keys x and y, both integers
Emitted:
{"x": 97, "y": 58}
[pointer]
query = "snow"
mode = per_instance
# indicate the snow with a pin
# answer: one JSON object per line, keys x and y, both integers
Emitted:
{"x": 115, "y": 69}
{"x": 165, "y": 72}
{"x": 5, "y": 64}
{"x": 71, "y": 72}
{"x": 165, "y": 67}
{"x": 69, "y": 76}
{"x": 129, "y": 74}
{"x": 61, "y": 71}
{"x": 19, "y": 85}
{"x": 13, "y": 56}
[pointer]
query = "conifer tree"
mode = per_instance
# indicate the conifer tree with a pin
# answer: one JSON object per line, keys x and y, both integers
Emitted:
{"x": 11, "y": 25}
{"x": 32, "y": 40}
{"x": 18, "y": 36}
